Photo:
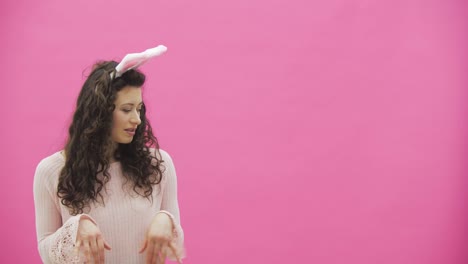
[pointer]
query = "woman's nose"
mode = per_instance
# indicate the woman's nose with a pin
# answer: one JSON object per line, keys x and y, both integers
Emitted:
{"x": 136, "y": 118}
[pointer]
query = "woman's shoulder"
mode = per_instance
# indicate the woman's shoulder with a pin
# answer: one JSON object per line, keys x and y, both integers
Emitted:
{"x": 50, "y": 164}
{"x": 161, "y": 154}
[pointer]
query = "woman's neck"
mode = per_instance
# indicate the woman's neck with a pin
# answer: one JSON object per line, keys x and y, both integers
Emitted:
{"x": 111, "y": 152}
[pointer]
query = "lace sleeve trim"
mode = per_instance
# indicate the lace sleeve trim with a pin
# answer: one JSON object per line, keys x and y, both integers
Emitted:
{"x": 63, "y": 246}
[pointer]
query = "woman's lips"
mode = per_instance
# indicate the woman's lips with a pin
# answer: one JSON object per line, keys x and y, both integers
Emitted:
{"x": 130, "y": 131}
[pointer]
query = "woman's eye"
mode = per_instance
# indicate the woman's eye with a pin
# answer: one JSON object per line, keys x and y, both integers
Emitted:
{"x": 126, "y": 110}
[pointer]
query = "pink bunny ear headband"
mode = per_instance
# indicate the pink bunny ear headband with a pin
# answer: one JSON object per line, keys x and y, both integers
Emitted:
{"x": 134, "y": 60}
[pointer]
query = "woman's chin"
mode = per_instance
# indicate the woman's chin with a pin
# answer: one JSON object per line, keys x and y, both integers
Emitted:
{"x": 125, "y": 141}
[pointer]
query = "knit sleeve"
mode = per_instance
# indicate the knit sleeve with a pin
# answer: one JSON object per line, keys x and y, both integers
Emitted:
{"x": 56, "y": 241}
{"x": 170, "y": 205}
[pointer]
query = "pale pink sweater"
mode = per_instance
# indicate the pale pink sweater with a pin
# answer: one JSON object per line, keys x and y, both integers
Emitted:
{"x": 123, "y": 219}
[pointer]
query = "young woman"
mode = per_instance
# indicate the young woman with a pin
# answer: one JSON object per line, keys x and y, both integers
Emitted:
{"x": 110, "y": 196}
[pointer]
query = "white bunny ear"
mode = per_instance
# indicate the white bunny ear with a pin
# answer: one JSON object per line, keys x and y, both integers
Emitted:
{"x": 134, "y": 60}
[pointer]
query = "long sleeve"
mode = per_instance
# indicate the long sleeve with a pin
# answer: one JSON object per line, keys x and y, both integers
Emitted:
{"x": 55, "y": 240}
{"x": 170, "y": 204}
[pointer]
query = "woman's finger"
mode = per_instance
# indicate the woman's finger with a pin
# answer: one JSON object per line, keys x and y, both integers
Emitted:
{"x": 100, "y": 244}
{"x": 162, "y": 254}
{"x": 94, "y": 250}
{"x": 143, "y": 246}
{"x": 106, "y": 245}
{"x": 174, "y": 251}
{"x": 76, "y": 251}
{"x": 157, "y": 252}
{"x": 150, "y": 252}
{"x": 87, "y": 250}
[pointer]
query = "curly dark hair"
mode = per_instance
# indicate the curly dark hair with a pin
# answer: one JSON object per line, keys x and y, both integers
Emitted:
{"x": 88, "y": 147}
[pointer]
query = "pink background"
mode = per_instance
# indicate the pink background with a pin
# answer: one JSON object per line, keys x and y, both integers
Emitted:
{"x": 329, "y": 131}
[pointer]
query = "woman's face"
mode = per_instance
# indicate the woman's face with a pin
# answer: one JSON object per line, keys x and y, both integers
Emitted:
{"x": 126, "y": 116}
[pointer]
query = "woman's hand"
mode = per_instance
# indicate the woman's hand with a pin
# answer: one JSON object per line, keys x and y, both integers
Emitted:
{"x": 91, "y": 242}
{"x": 158, "y": 240}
